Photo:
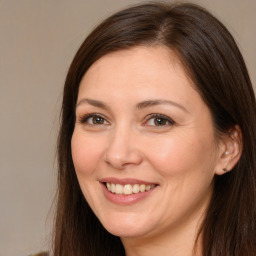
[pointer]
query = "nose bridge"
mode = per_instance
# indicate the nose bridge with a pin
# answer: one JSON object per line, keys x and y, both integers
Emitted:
{"x": 122, "y": 149}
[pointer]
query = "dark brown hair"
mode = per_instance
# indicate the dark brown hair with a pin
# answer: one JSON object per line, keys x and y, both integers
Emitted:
{"x": 214, "y": 63}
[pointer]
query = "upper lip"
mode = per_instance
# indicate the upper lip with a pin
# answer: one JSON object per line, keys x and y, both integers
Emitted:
{"x": 125, "y": 181}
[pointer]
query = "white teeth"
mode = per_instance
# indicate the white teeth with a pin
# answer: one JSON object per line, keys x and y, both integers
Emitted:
{"x": 119, "y": 189}
{"x": 148, "y": 187}
{"x": 113, "y": 188}
{"x": 136, "y": 188}
{"x": 128, "y": 189}
{"x": 142, "y": 188}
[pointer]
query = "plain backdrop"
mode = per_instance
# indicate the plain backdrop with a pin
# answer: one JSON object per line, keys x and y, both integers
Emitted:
{"x": 38, "y": 41}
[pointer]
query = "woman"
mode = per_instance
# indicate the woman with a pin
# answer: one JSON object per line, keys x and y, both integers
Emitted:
{"x": 157, "y": 141}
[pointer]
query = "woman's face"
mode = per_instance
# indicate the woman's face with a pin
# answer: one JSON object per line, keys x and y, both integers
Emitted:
{"x": 143, "y": 147}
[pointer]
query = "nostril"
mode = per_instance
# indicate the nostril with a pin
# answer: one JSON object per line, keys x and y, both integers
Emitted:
{"x": 120, "y": 159}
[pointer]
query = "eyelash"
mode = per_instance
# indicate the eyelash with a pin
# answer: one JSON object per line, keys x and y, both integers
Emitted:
{"x": 85, "y": 118}
{"x": 164, "y": 118}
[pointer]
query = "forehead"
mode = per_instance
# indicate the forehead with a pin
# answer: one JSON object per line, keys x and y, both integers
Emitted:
{"x": 152, "y": 69}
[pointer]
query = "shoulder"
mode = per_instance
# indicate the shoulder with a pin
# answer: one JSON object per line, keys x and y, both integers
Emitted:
{"x": 40, "y": 254}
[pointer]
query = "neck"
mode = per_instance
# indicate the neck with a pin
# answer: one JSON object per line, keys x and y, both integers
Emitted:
{"x": 178, "y": 241}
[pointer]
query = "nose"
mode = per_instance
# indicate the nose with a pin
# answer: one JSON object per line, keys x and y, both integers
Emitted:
{"x": 123, "y": 149}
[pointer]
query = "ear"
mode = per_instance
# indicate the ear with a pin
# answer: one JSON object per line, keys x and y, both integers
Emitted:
{"x": 230, "y": 150}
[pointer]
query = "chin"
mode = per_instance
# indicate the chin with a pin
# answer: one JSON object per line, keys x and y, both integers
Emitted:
{"x": 127, "y": 233}
{"x": 127, "y": 227}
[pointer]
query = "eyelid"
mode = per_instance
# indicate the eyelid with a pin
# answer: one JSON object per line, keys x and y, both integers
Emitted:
{"x": 157, "y": 115}
{"x": 84, "y": 118}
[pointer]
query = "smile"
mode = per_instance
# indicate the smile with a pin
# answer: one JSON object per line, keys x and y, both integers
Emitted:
{"x": 128, "y": 189}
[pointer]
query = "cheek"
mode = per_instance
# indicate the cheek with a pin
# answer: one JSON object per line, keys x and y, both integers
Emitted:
{"x": 185, "y": 164}
{"x": 179, "y": 154}
{"x": 86, "y": 153}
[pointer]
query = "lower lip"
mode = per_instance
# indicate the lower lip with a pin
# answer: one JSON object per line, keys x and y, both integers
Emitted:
{"x": 126, "y": 199}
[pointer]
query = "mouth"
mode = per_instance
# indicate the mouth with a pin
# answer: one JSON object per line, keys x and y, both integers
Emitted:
{"x": 128, "y": 189}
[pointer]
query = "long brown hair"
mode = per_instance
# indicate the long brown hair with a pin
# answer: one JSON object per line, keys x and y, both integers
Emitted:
{"x": 214, "y": 63}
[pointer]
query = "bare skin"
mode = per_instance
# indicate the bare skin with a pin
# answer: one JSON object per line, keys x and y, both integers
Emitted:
{"x": 140, "y": 121}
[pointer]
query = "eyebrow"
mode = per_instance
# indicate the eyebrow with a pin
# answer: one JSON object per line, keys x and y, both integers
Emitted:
{"x": 140, "y": 105}
{"x": 150, "y": 103}
{"x": 95, "y": 103}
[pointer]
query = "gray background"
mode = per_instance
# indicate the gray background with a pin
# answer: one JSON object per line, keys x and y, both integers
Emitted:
{"x": 37, "y": 43}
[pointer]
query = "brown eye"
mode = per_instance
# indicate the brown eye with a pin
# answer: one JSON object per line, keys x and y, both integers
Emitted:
{"x": 97, "y": 120}
{"x": 93, "y": 119}
{"x": 160, "y": 121}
